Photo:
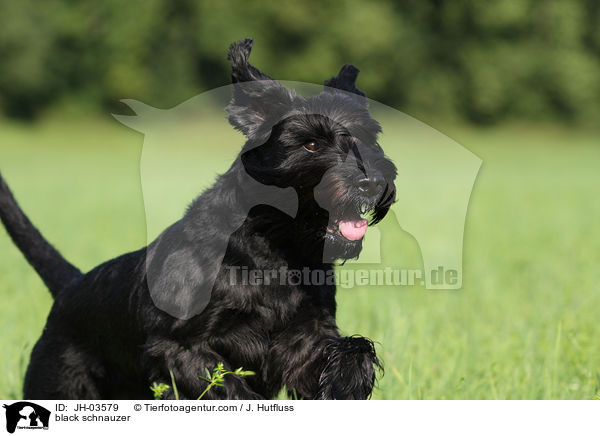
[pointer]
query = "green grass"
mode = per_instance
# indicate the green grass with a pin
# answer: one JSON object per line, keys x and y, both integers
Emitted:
{"x": 525, "y": 325}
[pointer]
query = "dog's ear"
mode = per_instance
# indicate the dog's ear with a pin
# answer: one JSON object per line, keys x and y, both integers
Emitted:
{"x": 345, "y": 80}
{"x": 241, "y": 69}
{"x": 258, "y": 101}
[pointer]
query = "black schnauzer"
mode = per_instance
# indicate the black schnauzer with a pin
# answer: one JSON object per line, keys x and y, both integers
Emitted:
{"x": 114, "y": 331}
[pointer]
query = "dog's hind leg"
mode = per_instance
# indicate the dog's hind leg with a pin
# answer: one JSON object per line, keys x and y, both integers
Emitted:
{"x": 62, "y": 370}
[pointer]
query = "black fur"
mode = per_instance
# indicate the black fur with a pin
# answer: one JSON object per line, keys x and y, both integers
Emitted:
{"x": 106, "y": 339}
{"x": 54, "y": 270}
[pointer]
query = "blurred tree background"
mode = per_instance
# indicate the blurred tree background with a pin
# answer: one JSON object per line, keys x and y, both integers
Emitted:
{"x": 483, "y": 62}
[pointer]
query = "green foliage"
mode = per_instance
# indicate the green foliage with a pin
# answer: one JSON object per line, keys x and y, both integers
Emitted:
{"x": 480, "y": 61}
{"x": 158, "y": 389}
{"x": 174, "y": 385}
{"x": 217, "y": 378}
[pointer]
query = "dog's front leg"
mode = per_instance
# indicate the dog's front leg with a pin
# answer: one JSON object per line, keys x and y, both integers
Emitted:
{"x": 350, "y": 369}
{"x": 316, "y": 363}
{"x": 163, "y": 357}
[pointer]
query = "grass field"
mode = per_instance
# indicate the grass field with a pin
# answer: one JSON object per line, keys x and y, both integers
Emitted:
{"x": 525, "y": 325}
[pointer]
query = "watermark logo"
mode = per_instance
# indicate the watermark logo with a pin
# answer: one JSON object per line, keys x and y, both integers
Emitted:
{"x": 345, "y": 278}
{"x": 435, "y": 178}
{"x": 25, "y": 415}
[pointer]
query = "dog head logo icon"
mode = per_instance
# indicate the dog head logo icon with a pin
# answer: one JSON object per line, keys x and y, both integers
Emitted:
{"x": 26, "y": 415}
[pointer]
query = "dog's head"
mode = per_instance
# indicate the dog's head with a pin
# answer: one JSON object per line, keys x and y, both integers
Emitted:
{"x": 324, "y": 146}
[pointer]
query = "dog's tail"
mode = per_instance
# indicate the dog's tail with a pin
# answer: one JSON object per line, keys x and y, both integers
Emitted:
{"x": 54, "y": 270}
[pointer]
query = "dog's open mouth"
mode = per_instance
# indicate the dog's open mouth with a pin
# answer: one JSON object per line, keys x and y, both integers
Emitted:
{"x": 352, "y": 223}
{"x": 353, "y": 229}
{"x": 348, "y": 223}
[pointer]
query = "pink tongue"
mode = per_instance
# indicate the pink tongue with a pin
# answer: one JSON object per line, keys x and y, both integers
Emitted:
{"x": 353, "y": 230}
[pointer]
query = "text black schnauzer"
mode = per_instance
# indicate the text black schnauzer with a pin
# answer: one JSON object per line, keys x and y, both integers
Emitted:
{"x": 108, "y": 334}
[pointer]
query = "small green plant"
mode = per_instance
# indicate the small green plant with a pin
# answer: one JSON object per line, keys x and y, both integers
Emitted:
{"x": 217, "y": 378}
{"x": 158, "y": 389}
{"x": 175, "y": 391}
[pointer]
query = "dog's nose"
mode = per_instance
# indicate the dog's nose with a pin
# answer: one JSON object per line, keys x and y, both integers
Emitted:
{"x": 372, "y": 185}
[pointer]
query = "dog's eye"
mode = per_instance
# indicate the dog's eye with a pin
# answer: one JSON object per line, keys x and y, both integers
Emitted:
{"x": 311, "y": 146}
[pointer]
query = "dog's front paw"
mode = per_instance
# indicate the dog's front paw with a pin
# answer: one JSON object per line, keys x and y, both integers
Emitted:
{"x": 350, "y": 369}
